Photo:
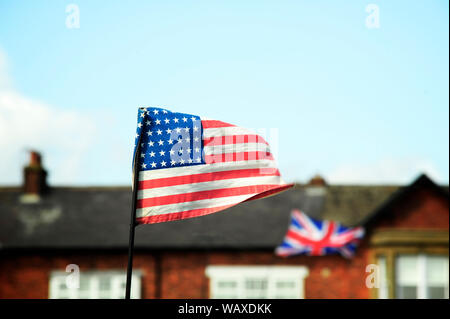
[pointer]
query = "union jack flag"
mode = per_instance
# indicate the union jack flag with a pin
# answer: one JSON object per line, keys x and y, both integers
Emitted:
{"x": 190, "y": 166}
{"x": 317, "y": 238}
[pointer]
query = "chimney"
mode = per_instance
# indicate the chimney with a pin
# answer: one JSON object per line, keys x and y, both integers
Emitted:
{"x": 317, "y": 180}
{"x": 34, "y": 176}
{"x": 317, "y": 186}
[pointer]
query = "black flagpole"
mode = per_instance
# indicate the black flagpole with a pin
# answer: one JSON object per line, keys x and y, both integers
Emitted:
{"x": 133, "y": 219}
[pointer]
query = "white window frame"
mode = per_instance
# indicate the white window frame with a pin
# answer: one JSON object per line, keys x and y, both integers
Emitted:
{"x": 117, "y": 278}
{"x": 383, "y": 290}
{"x": 272, "y": 274}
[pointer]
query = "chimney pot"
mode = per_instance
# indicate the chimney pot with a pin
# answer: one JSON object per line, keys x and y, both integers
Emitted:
{"x": 316, "y": 186}
{"x": 35, "y": 176}
{"x": 317, "y": 180}
{"x": 35, "y": 159}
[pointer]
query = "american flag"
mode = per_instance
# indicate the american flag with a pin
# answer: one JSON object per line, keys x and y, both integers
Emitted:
{"x": 315, "y": 238}
{"x": 190, "y": 166}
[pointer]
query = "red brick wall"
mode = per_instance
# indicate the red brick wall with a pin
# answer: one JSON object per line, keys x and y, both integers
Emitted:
{"x": 183, "y": 273}
{"x": 421, "y": 209}
{"x": 27, "y": 275}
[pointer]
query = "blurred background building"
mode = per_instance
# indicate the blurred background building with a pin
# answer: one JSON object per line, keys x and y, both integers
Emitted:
{"x": 48, "y": 232}
{"x": 356, "y": 90}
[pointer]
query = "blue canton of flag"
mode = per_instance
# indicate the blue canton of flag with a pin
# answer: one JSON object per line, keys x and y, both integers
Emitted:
{"x": 168, "y": 139}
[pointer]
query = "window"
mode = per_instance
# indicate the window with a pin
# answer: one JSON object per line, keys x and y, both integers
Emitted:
{"x": 94, "y": 285}
{"x": 436, "y": 277}
{"x": 413, "y": 263}
{"x": 421, "y": 276}
{"x": 256, "y": 282}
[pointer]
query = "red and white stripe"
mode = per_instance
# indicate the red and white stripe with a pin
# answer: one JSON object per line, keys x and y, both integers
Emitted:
{"x": 239, "y": 167}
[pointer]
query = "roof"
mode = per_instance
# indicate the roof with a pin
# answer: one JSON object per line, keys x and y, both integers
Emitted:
{"x": 98, "y": 218}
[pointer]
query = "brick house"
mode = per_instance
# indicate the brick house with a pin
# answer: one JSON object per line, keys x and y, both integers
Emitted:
{"x": 46, "y": 231}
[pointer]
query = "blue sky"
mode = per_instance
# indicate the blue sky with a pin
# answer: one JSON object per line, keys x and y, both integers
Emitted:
{"x": 358, "y": 105}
